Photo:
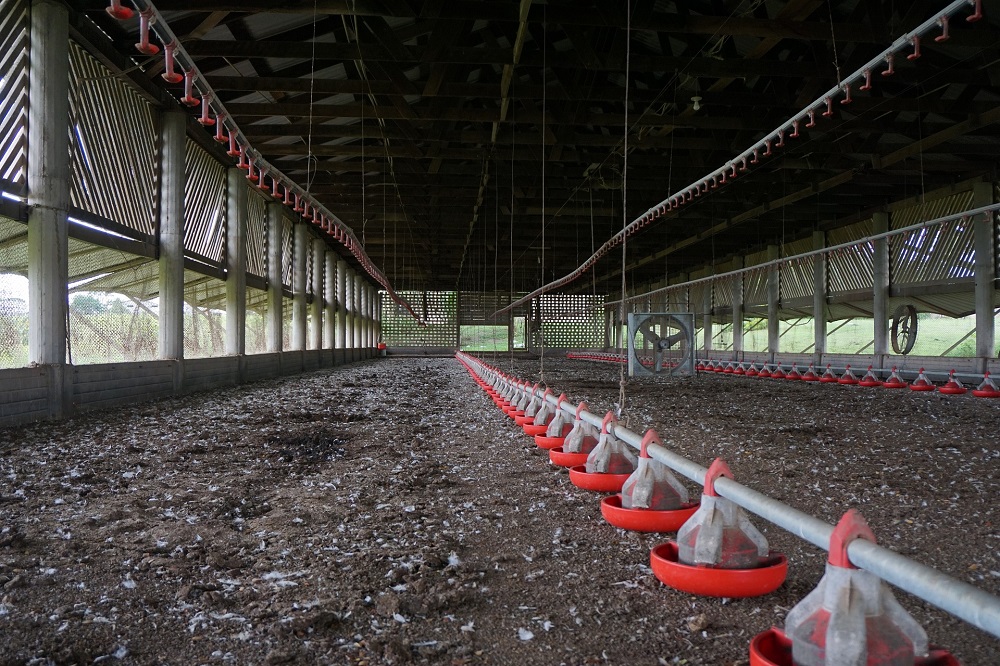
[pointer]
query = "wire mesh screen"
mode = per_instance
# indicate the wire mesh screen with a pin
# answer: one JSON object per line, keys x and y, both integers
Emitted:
{"x": 255, "y": 326}
{"x": 572, "y": 321}
{"x": 13, "y": 294}
{"x": 112, "y": 153}
{"x": 107, "y": 328}
{"x": 286, "y": 324}
{"x": 14, "y": 91}
{"x": 256, "y": 234}
{"x": 204, "y": 204}
{"x": 437, "y": 308}
{"x": 477, "y": 307}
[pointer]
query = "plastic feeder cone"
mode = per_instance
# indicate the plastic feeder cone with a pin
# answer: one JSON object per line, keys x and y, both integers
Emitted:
{"x": 562, "y": 459}
{"x": 773, "y": 648}
{"x": 921, "y": 383}
{"x": 793, "y": 373}
{"x": 764, "y": 371}
{"x": 752, "y": 370}
{"x": 810, "y": 374}
{"x": 609, "y": 465}
{"x": 557, "y": 427}
{"x": 848, "y": 378}
{"x": 953, "y": 386}
{"x": 987, "y": 389}
{"x": 718, "y": 551}
{"x": 729, "y": 369}
{"x": 870, "y": 380}
{"x": 719, "y": 366}
{"x": 777, "y": 373}
{"x": 582, "y": 438}
{"x": 852, "y": 617}
{"x": 828, "y": 377}
{"x": 894, "y": 381}
{"x": 740, "y": 370}
{"x": 652, "y": 499}
{"x": 700, "y": 367}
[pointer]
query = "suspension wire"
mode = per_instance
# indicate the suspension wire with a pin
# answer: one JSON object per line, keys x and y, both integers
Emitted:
{"x": 310, "y": 158}
{"x": 541, "y": 327}
{"x": 510, "y": 230}
{"x": 628, "y": 55}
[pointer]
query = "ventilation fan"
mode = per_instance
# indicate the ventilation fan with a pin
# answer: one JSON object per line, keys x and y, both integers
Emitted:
{"x": 660, "y": 343}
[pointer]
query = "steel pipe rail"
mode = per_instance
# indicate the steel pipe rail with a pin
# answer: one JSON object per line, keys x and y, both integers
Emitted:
{"x": 965, "y": 601}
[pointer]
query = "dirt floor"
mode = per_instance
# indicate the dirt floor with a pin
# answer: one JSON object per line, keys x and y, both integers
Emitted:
{"x": 388, "y": 513}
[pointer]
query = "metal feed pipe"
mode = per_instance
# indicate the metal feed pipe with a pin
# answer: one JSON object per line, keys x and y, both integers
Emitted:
{"x": 957, "y": 597}
{"x": 776, "y": 138}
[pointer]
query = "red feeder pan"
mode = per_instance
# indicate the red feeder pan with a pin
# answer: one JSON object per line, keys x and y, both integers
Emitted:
{"x": 752, "y": 370}
{"x": 764, "y": 372}
{"x": 987, "y": 389}
{"x": 715, "y": 582}
{"x": 545, "y": 442}
{"x": 602, "y": 483}
{"x": 530, "y": 429}
{"x": 700, "y": 367}
{"x": 739, "y": 370}
{"x": 523, "y": 419}
{"x": 894, "y": 381}
{"x": 793, "y": 373}
{"x": 559, "y": 457}
{"x": 848, "y": 378}
{"x": 644, "y": 520}
{"x": 870, "y": 380}
{"x": 719, "y": 367}
{"x": 777, "y": 373}
{"x": 921, "y": 383}
{"x": 773, "y": 648}
{"x": 729, "y": 369}
{"x": 828, "y": 376}
{"x": 953, "y": 386}
{"x": 810, "y": 375}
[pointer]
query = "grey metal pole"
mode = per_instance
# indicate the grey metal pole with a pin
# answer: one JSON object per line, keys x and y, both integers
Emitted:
{"x": 330, "y": 295}
{"x": 318, "y": 268}
{"x": 300, "y": 255}
{"x": 880, "y": 289}
{"x": 48, "y": 185}
{"x": 236, "y": 262}
{"x": 275, "y": 298}
{"x": 773, "y": 298}
{"x": 819, "y": 297}
{"x": 982, "y": 195}
{"x": 341, "y": 342}
{"x": 172, "y": 178}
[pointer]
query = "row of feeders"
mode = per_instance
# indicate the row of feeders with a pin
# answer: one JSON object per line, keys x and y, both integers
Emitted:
{"x": 953, "y": 386}
{"x": 850, "y": 619}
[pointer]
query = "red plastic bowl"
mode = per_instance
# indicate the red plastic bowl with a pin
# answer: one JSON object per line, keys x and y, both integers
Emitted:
{"x": 523, "y": 420}
{"x": 713, "y": 582}
{"x": 544, "y": 442}
{"x": 773, "y": 648}
{"x": 559, "y": 457}
{"x": 644, "y": 520}
{"x": 602, "y": 483}
{"x": 530, "y": 429}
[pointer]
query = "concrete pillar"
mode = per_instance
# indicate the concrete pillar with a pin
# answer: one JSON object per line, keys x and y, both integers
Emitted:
{"x": 982, "y": 195}
{"x": 773, "y": 299}
{"x": 48, "y": 186}
{"x": 372, "y": 296}
{"x": 275, "y": 299}
{"x": 341, "y": 341}
{"x": 819, "y": 297}
{"x": 363, "y": 318}
{"x": 880, "y": 289}
{"x": 236, "y": 261}
{"x": 300, "y": 254}
{"x": 330, "y": 296}
{"x": 359, "y": 283}
{"x": 172, "y": 177}
{"x": 707, "y": 328}
{"x": 318, "y": 269}
{"x": 738, "y": 312}
{"x": 349, "y": 308}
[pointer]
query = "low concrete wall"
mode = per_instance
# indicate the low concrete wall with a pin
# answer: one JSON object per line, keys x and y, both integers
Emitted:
{"x": 43, "y": 392}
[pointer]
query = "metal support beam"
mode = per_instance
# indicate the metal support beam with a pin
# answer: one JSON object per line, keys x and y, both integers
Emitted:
{"x": 275, "y": 299}
{"x": 819, "y": 297}
{"x": 48, "y": 186}
{"x": 318, "y": 269}
{"x": 880, "y": 289}
{"x": 236, "y": 262}
{"x": 773, "y": 299}
{"x": 300, "y": 255}
{"x": 985, "y": 230}
{"x": 330, "y": 296}
{"x": 172, "y": 178}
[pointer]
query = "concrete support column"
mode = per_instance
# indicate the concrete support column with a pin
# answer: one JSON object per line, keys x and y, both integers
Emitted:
{"x": 300, "y": 254}
{"x": 880, "y": 289}
{"x": 372, "y": 300}
{"x": 738, "y": 312}
{"x": 982, "y": 195}
{"x": 171, "y": 316}
{"x": 349, "y": 308}
{"x": 48, "y": 187}
{"x": 275, "y": 299}
{"x": 773, "y": 299}
{"x": 341, "y": 341}
{"x": 318, "y": 269}
{"x": 363, "y": 319}
{"x": 330, "y": 296}
{"x": 707, "y": 328}
{"x": 359, "y": 284}
{"x": 236, "y": 261}
{"x": 819, "y": 297}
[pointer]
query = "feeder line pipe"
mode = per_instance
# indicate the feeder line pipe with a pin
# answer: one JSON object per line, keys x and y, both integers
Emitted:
{"x": 959, "y": 598}
{"x": 813, "y": 253}
{"x": 902, "y": 42}
{"x": 859, "y": 368}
